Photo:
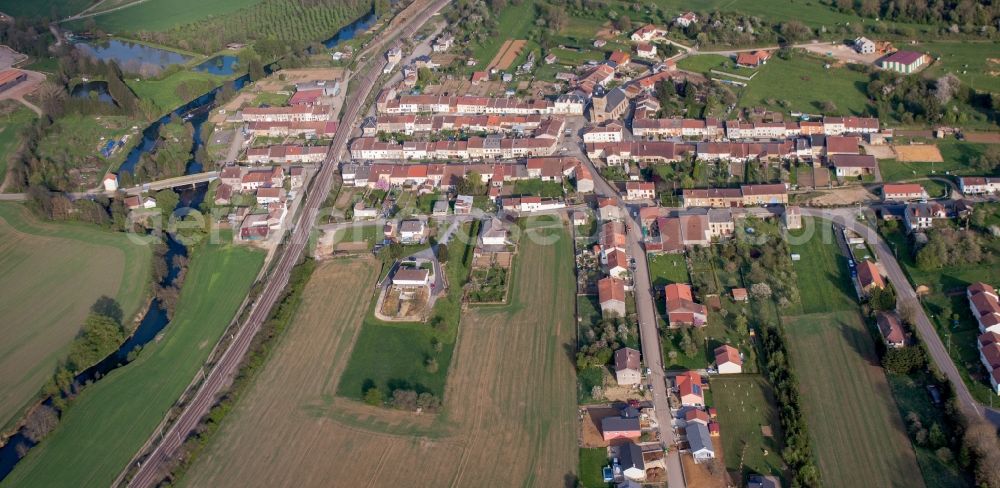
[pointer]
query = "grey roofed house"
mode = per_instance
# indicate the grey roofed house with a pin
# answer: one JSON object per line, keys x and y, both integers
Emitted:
{"x": 440, "y": 207}
{"x": 700, "y": 442}
{"x": 758, "y": 481}
{"x": 619, "y": 424}
{"x": 494, "y": 233}
{"x": 412, "y": 226}
{"x": 630, "y": 456}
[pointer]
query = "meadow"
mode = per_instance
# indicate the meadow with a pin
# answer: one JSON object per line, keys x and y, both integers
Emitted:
{"x": 705, "y": 63}
{"x": 52, "y": 274}
{"x": 14, "y": 118}
{"x": 745, "y": 404}
{"x": 108, "y": 423}
{"x": 956, "y": 154}
{"x": 513, "y": 23}
{"x": 175, "y": 89}
{"x": 508, "y": 416}
{"x": 977, "y": 64}
{"x": 803, "y": 84}
{"x": 853, "y": 419}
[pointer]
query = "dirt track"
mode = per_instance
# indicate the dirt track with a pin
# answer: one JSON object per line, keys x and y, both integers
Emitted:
{"x": 510, "y": 402}
{"x": 507, "y": 54}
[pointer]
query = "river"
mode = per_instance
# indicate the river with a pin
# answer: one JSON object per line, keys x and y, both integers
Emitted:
{"x": 155, "y": 320}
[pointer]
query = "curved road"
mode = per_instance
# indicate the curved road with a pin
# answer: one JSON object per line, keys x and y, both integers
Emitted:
{"x": 907, "y": 297}
{"x": 151, "y": 469}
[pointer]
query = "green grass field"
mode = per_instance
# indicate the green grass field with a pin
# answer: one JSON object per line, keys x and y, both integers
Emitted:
{"x": 804, "y": 84}
{"x": 704, "y": 64}
{"x": 838, "y": 371}
{"x": 110, "y": 420}
{"x": 956, "y": 155}
{"x": 52, "y": 274}
{"x": 969, "y": 61}
{"x": 161, "y": 15}
{"x": 745, "y": 403}
{"x": 43, "y": 8}
{"x": 12, "y": 121}
{"x": 514, "y": 23}
{"x": 164, "y": 92}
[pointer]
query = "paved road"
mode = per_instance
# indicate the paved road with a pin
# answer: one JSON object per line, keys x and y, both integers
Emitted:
{"x": 648, "y": 330}
{"x": 220, "y": 376}
{"x": 907, "y": 297}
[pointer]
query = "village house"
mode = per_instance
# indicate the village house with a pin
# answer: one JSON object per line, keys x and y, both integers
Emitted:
{"x": 632, "y": 462}
{"x": 696, "y": 416}
{"x": 752, "y": 59}
{"x": 298, "y": 113}
{"x": 689, "y": 389}
{"x": 410, "y": 278}
{"x": 645, "y": 50}
{"x": 440, "y": 208}
{"x": 905, "y": 62}
{"x": 608, "y": 209}
{"x": 611, "y": 132}
{"x": 361, "y": 212}
{"x": 493, "y": 233}
{"x": 675, "y": 233}
{"x": 686, "y": 19}
{"x": 728, "y": 360}
{"x": 700, "y": 443}
{"x": 647, "y": 33}
{"x": 853, "y": 165}
{"x": 792, "y": 217}
{"x": 863, "y": 45}
{"x": 616, "y": 263}
{"x": 627, "y": 367}
{"x": 842, "y": 145}
{"x": 611, "y": 295}
{"x": 985, "y": 306}
{"x": 270, "y": 195}
{"x": 619, "y": 57}
{"x": 869, "y": 276}
{"x": 902, "y": 192}
{"x": 978, "y": 185}
{"x": 640, "y": 190}
{"x": 443, "y": 43}
{"x": 412, "y": 231}
{"x": 891, "y": 329}
{"x": 681, "y": 307}
{"x": 463, "y": 204}
{"x": 111, "y": 182}
{"x": 920, "y": 216}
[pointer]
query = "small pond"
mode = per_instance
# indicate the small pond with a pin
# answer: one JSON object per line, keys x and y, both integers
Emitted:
{"x": 93, "y": 90}
{"x": 133, "y": 57}
{"x": 222, "y": 65}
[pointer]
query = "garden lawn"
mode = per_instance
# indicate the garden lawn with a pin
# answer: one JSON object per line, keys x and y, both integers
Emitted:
{"x": 956, "y": 154}
{"x": 11, "y": 124}
{"x": 538, "y": 188}
{"x": 805, "y": 84}
{"x": 705, "y": 63}
{"x": 824, "y": 282}
{"x": 592, "y": 462}
{"x": 972, "y": 62}
{"x": 665, "y": 269}
{"x": 108, "y": 423}
{"x": 745, "y": 403}
{"x": 51, "y": 275}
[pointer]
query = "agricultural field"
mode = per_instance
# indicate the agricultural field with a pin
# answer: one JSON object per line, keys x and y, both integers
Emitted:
{"x": 837, "y": 368}
{"x": 746, "y": 406}
{"x": 52, "y": 274}
{"x": 13, "y": 118}
{"x": 802, "y": 84}
{"x": 122, "y": 409}
{"x": 190, "y": 25}
{"x": 513, "y": 23}
{"x": 509, "y": 410}
{"x": 977, "y": 64}
{"x": 161, "y": 15}
{"x": 956, "y": 154}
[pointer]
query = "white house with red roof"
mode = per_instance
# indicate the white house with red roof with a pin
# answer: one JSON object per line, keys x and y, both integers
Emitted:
{"x": 728, "y": 360}
{"x": 689, "y": 389}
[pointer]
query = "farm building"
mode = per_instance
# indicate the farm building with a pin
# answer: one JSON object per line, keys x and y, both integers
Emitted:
{"x": 905, "y": 62}
{"x": 869, "y": 277}
{"x": 901, "y": 192}
{"x": 627, "y": 364}
{"x": 863, "y": 45}
{"x": 853, "y": 165}
{"x": 11, "y": 77}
